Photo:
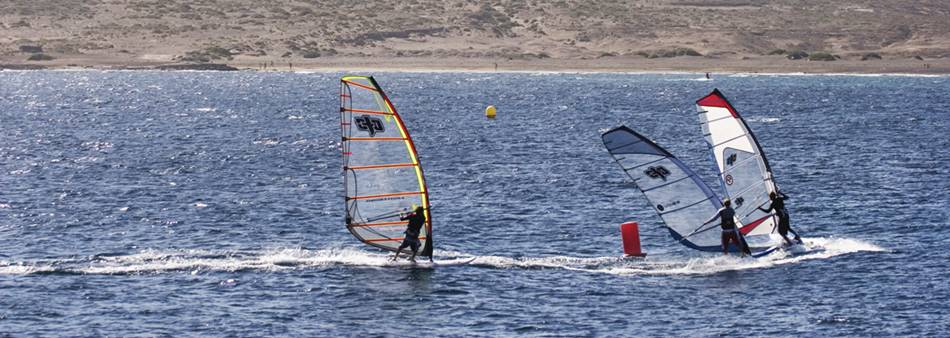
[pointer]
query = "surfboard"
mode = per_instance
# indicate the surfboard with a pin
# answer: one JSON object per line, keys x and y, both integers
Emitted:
{"x": 796, "y": 249}
{"x": 422, "y": 263}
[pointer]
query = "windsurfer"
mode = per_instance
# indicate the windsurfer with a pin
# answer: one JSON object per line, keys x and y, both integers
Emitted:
{"x": 416, "y": 220}
{"x": 730, "y": 233}
{"x": 778, "y": 204}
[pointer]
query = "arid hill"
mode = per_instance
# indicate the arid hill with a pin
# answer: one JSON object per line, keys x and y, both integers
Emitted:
{"x": 261, "y": 31}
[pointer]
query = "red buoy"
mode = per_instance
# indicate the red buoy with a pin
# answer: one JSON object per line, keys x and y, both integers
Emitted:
{"x": 631, "y": 239}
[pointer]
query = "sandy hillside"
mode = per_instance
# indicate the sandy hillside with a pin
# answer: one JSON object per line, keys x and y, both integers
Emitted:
{"x": 124, "y": 33}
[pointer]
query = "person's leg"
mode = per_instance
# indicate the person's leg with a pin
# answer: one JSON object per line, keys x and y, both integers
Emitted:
{"x": 401, "y": 246}
{"x": 415, "y": 248}
{"x": 783, "y": 231}
{"x": 725, "y": 243}
{"x": 784, "y": 220}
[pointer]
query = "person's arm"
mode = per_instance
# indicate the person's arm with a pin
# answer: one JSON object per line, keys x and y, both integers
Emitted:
{"x": 767, "y": 209}
{"x": 713, "y": 218}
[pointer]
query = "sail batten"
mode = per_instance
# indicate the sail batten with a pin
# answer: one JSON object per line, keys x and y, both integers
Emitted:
{"x": 365, "y": 111}
{"x": 382, "y": 177}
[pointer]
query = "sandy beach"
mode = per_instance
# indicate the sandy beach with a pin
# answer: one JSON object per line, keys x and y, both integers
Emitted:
{"x": 764, "y": 64}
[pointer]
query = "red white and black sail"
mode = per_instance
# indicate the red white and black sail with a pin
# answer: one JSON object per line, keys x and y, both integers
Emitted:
{"x": 744, "y": 172}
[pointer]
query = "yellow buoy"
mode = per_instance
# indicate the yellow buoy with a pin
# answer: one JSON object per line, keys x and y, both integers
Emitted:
{"x": 490, "y": 112}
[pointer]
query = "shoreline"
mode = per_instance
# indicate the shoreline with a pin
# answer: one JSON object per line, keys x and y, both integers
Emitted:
{"x": 765, "y": 65}
{"x": 357, "y": 71}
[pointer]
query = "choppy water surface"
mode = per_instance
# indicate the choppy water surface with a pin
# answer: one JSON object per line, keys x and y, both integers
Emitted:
{"x": 193, "y": 203}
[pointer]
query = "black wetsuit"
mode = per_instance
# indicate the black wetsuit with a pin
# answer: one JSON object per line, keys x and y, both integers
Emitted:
{"x": 727, "y": 218}
{"x": 416, "y": 221}
{"x": 778, "y": 204}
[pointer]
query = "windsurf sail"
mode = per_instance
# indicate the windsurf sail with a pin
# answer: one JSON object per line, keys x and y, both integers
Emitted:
{"x": 382, "y": 177}
{"x": 677, "y": 194}
{"x": 744, "y": 172}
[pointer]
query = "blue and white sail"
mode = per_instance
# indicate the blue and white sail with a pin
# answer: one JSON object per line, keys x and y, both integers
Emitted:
{"x": 744, "y": 172}
{"x": 677, "y": 194}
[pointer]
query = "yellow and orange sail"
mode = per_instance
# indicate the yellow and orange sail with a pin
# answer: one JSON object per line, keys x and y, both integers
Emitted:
{"x": 382, "y": 177}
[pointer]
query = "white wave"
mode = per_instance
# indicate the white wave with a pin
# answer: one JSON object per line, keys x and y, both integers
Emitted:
{"x": 803, "y": 74}
{"x": 9, "y": 268}
{"x": 269, "y": 141}
{"x": 563, "y": 262}
{"x": 766, "y": 119}
{"x": 698, "y": 79}
{"x": 195, "y": 262}
{"x": 815, "y": 248}
{"x": 200, "y": 261}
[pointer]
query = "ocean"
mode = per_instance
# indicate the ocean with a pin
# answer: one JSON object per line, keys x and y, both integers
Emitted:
{"x": 141, "y": 203}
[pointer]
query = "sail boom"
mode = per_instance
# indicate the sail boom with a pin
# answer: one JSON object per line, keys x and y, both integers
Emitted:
{"x": 382, "y": 166}
{"x": 375, "y": 139}
{"x": 380, "y": 224}
{"x": 397, "y": 239}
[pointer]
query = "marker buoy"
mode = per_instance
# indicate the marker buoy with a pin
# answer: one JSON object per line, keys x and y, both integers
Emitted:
{"x": 490, "y": 112}
{"x": 630, "y": 233}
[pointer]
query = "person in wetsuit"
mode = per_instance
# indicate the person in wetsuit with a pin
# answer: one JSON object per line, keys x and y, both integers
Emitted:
{"x": 416, "y": 220}
{"x": 778, "y": 204}
{"x": 730, "y": 233}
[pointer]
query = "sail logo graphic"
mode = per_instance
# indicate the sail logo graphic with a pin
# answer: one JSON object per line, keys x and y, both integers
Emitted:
{"x": 368, "y": 124}
{"x": 657, "y": 172}
{"x": 731, "y": 159}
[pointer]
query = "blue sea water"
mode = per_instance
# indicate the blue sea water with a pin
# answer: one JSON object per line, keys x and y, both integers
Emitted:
{"x": 210, "y": 204}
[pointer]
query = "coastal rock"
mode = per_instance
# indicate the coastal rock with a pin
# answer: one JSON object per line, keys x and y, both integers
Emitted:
{"x": 39, "y": 57}
{"x": 31, "y": 49}
{"x": 796, "y": 55}
{"x": 822, "y": 56}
